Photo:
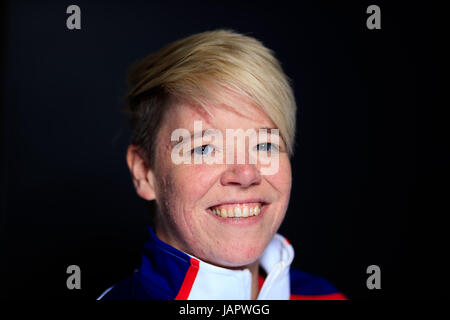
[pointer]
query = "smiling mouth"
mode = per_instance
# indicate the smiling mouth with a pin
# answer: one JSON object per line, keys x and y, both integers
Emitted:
{"x": 238, "y": 210}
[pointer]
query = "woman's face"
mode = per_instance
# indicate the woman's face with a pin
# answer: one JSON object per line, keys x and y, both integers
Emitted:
{"x": 196, "y": 200}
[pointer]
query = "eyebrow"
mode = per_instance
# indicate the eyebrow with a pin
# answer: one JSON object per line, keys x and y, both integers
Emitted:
{"x": 211, "y": 131}
{"x": 203, "y": 133}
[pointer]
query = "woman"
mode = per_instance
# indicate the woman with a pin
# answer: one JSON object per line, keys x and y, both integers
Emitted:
{"x": 218, "y": 207}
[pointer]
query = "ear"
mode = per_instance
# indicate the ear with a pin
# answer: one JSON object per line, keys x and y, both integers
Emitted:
{"x": 143, "y": 177}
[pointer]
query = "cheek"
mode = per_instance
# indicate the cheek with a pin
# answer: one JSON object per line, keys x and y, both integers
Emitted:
{"x": 192, "y": 182}
{"x": 282, "y": 183}
{"x": 282, "y": 180}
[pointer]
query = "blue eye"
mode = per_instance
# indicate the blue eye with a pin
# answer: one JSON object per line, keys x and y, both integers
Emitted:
{"x": 266, "y": 147}
{"x": 203, "y": 150}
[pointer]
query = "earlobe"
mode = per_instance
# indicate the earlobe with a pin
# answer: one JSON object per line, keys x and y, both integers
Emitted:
{"x": 143, "y": 178}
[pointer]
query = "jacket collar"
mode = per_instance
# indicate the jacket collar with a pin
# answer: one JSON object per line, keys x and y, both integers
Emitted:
{"x": 175, "y": 274}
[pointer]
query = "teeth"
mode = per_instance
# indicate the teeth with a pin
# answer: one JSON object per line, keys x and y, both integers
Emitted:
{"x": 237, "y": 211}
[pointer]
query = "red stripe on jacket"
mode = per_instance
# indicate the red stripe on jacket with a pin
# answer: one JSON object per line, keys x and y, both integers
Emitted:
{"x": 331, "y": 296}
{"x": 188, "y": 281}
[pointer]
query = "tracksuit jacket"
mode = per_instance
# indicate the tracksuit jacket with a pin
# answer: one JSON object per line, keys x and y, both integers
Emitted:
{"x": 167, "y": 273}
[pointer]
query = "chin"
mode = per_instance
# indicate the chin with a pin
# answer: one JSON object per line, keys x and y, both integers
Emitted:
{"x": 239, "y": 257}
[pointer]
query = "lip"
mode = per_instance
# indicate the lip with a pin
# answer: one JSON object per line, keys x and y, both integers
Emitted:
{"x": 238, "y": 221}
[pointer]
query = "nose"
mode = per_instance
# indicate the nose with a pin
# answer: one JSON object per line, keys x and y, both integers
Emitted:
{"x": 242, "y": 175}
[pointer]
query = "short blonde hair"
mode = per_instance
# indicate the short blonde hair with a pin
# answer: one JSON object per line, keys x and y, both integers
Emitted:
{"x": 190, "y": 67}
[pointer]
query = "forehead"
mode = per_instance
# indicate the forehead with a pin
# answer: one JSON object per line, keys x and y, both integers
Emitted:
{"x": 231, "y": 113}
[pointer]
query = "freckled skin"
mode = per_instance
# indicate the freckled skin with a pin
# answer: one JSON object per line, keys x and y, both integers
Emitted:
{"x": 184, "y": 192}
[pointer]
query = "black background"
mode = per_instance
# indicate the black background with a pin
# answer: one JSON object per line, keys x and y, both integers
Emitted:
{"x": 370, "y": 154}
